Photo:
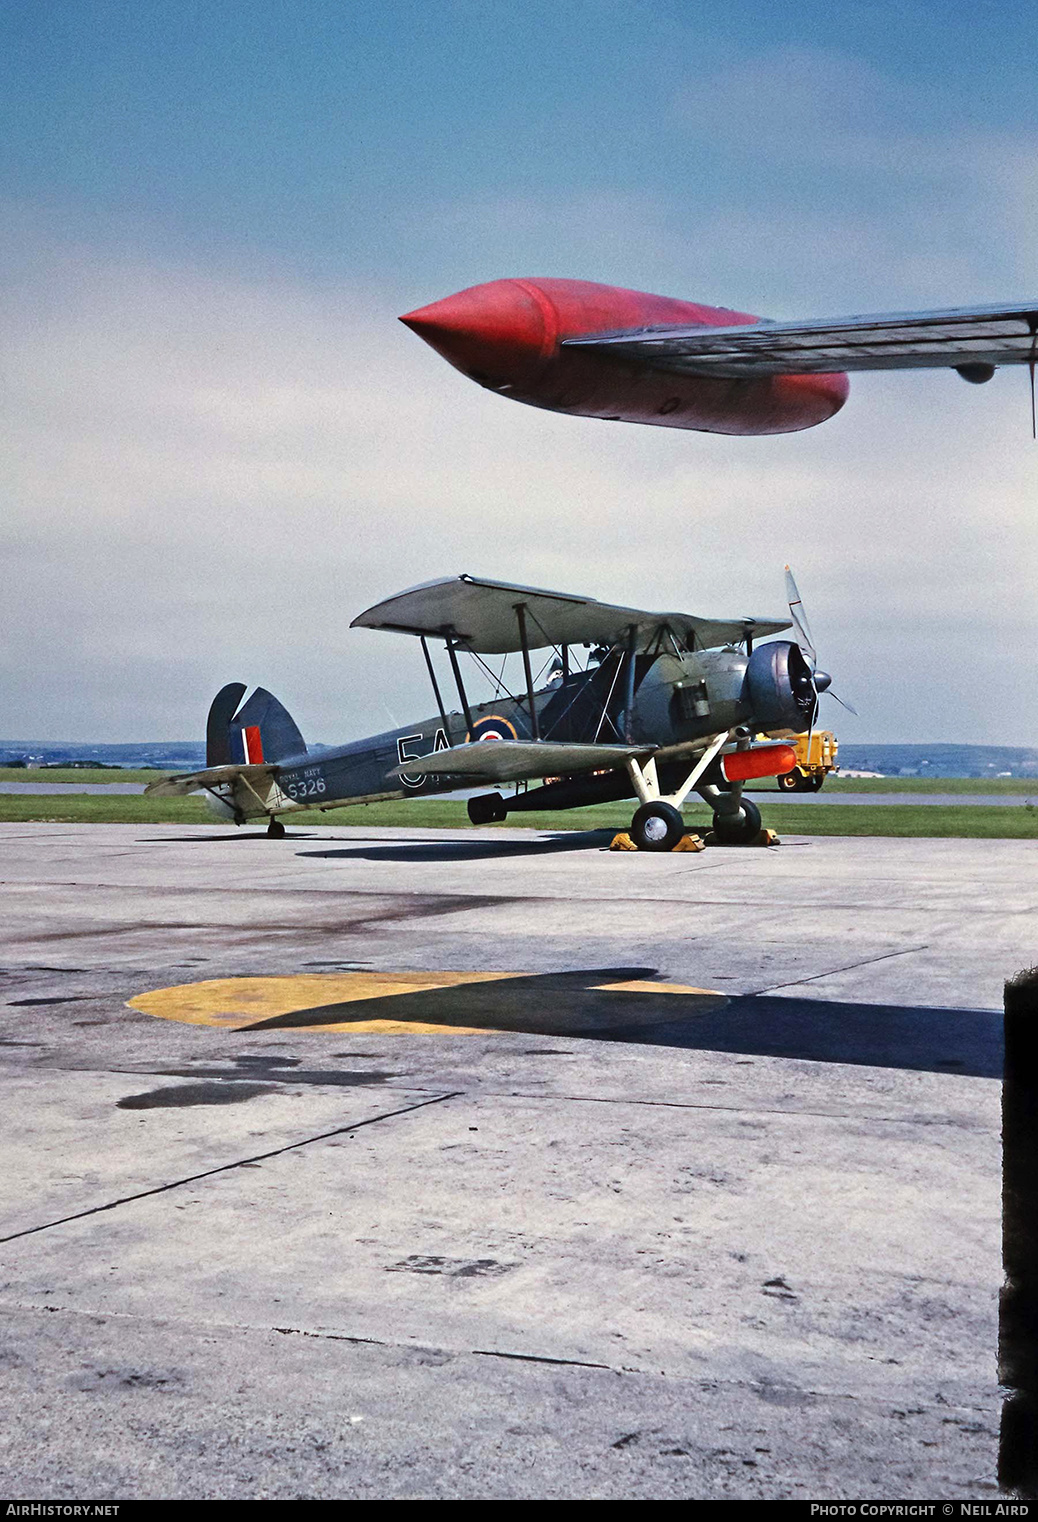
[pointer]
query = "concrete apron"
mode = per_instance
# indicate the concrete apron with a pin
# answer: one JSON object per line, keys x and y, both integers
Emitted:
{"x": 511, "y": 1167}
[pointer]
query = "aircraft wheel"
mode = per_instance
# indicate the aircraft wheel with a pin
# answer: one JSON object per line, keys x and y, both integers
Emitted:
{"x": 276, "y": 830}
{"x": 788, "y": 782}
{"x": 657, "y": 827}
{"x": 738, "y": 829}
{"x": 488, "y": 808}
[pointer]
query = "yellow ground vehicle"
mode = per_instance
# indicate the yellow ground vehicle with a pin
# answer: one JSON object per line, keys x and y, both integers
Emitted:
{"x": 816, "y": 758}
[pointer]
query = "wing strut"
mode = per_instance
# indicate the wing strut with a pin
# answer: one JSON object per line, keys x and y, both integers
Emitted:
{"x": 632, "y": 647}
{"x": 435, "y": 685}
{"x": 520, "y": 613}
{"x": 466, "y": 710}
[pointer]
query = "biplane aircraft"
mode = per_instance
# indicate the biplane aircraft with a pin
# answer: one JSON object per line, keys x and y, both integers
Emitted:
{"x": 635, "y": 704}
{"x": 628, "y": 356}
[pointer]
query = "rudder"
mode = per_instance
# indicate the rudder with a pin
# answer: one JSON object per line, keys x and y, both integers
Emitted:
{"x": 263, "y": 730}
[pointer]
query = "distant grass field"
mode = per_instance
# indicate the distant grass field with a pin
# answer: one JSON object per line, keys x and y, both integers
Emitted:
{"x": 80, "y": 774}
{"x": 788, "y": 818}
{"x": 75, "y": 773}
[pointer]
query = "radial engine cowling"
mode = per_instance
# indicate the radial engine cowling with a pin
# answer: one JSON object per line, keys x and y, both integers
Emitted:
{"x": 779, "y": 688}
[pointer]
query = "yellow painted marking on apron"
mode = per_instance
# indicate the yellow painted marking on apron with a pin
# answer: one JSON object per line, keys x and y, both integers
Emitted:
{"x": 239, "y": 1003}
{"x": 637, "y": 987}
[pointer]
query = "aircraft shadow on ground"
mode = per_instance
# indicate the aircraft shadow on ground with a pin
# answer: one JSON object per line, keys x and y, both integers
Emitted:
{"x": 412, "y": 850}
{"x": 470, "y": 850}
{"x": 967, "y": 1042}
{"x": 573, "y": 1004}
{"x": 178, "y": 840}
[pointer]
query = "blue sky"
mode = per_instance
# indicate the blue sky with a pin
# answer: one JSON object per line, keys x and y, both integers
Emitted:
{"x": 213, "y": 213}
{"x": 326, "y": 135}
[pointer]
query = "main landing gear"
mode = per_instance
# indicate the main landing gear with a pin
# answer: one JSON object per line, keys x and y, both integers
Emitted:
{"x": 658, "y": 825}
{"x": 739, "y": 828}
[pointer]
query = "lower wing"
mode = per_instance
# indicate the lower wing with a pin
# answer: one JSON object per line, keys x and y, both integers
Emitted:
{"x": 520, "y": 760}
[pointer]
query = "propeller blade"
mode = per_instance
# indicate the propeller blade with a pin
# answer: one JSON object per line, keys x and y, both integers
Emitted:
{"x": 799, "y": 617}
{"x": 843, "y": 702}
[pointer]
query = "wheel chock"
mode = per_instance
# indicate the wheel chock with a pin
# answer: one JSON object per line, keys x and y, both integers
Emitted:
{"x": 764, "y": 838}
{"x": 688, "y": 842}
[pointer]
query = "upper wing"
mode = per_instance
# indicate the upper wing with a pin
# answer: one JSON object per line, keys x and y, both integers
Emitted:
{"x": 483, "y": 616}
{"x": 517, "y": 760}
{"x": 997, "y": 335}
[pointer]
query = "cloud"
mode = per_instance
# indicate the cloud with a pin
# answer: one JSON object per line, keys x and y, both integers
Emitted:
{"x": 207, "y": 473}
{"x": 876, "y": 176}
{"x": 789, "y": 100}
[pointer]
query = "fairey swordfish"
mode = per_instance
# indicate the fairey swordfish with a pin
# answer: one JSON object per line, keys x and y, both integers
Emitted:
{"x": 631, "y": 704}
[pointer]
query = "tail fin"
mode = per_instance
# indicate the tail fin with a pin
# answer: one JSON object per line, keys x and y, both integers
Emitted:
{"x": 263, "y": 730}
{"x": 218, "y": 726}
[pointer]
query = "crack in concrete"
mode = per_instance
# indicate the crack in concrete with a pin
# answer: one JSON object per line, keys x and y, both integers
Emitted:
{"x": 258, "y": 1157}
{"x": 885, "y": 956}
{"x": 574, "y": 1363}
{"x": 299, "y": 1331}
{"x": 708, "y": 1385}
{"x": 747, "y": 1109}
{"x": 598, "y": 1099}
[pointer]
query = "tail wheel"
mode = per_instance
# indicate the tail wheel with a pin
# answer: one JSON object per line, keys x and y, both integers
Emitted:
{"x": 657, "y": 827}
{"x": 276, "y": 830}
{"x": 738, "y": 829}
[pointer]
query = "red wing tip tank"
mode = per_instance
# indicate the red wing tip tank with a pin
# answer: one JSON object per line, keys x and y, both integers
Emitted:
{"x": 627, "y": 356}
{"x": 510, "y": 336}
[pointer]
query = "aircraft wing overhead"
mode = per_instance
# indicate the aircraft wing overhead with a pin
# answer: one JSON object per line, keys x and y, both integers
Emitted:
{"x": 482, "y": 616}
{"x": 517, "y": 760}
{"x": 987, "y": 335}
